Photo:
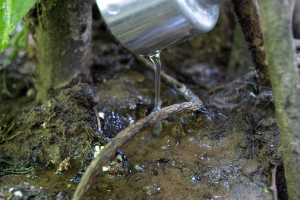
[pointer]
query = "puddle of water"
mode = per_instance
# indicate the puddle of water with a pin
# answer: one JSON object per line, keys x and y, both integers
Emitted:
{"x": 187, "y": 161}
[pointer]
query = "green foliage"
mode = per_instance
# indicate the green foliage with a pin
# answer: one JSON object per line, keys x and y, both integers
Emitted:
{"x": 11, "y": 12}
{"x": 19, "y": 42}
{"x": 266, "y": 190}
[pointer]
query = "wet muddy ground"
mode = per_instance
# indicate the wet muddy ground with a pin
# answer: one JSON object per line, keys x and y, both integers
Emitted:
{"x": 228, "y": 153}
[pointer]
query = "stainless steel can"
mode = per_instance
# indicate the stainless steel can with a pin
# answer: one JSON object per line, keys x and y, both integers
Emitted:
{"x": 145, "y": 26}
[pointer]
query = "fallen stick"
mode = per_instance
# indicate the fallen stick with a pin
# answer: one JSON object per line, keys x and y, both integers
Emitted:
{"x": 10, "y": 128}
{"x": 12, "y": 137}
{"x": 240, "y": 80}
{"x": 95, "y": 168}
{"x": 98, "y": 119}
{"x": 273, "y": 186}
{"x": 179, "y": 87}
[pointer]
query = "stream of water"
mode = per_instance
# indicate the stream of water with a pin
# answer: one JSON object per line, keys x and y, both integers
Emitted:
{"x": 155, "y": 58}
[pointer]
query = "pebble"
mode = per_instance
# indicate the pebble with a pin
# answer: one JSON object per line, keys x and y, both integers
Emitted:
{"x": 18, "y": 194}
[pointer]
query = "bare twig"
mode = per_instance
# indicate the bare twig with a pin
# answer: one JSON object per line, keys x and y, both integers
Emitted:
{"x": 179, "y": 87}
{"x": 98, "y": 120}
{"x": 10, "y": 128}
{"x": 95, "y": 168}
{"x": 231, "y": 83}
{"x": 249, "y": 122}
{"x": 273, "y": 186}
{"x": 6, "y": 139}
{"x": 202, "y": 123}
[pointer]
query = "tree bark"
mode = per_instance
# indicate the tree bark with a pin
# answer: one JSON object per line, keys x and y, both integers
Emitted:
{"x": 249, "y": 20}
{"x": 276, "y": 25}
{"x": 296, "y": 20}
{"x": 63, "y": 36}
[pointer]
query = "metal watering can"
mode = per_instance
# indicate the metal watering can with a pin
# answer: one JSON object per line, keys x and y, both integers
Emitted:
{"x": 146, "y": 26}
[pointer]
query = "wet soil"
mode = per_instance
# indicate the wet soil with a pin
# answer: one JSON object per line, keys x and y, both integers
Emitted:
{"x": 228, "y": 153}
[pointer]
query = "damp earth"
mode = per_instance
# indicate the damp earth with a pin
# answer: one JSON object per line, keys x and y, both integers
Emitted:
{"x": 229, "y": 152}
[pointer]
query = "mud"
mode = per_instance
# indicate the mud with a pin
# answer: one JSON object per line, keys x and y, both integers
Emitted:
{"x": 227, "y": 154}
{"x": 216, "y": 156}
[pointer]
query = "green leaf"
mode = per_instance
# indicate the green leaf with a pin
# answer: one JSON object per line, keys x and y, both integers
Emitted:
{"x": 266, "y": 190}
{"x": 11, "y": 12}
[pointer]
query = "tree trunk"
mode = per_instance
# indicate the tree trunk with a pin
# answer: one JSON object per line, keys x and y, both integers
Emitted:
{"x": 249, "y": 20}
{"x": 63, "y": 36}
{"x": 276, "y": 25}
{"x": 296, "y": 20}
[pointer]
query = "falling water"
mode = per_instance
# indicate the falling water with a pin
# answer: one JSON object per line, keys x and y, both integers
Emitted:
{"x": 155, "y": 58}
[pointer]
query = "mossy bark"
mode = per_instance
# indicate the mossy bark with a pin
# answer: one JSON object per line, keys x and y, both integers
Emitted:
{"x": 63, "y": 37}
{"x": 276, "y": 25}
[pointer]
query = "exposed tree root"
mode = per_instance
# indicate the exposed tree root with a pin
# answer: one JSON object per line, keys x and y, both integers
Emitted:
{"x": 95, "y": 168}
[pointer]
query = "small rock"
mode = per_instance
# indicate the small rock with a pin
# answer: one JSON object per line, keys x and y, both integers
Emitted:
{"x": 18, "y": 194}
